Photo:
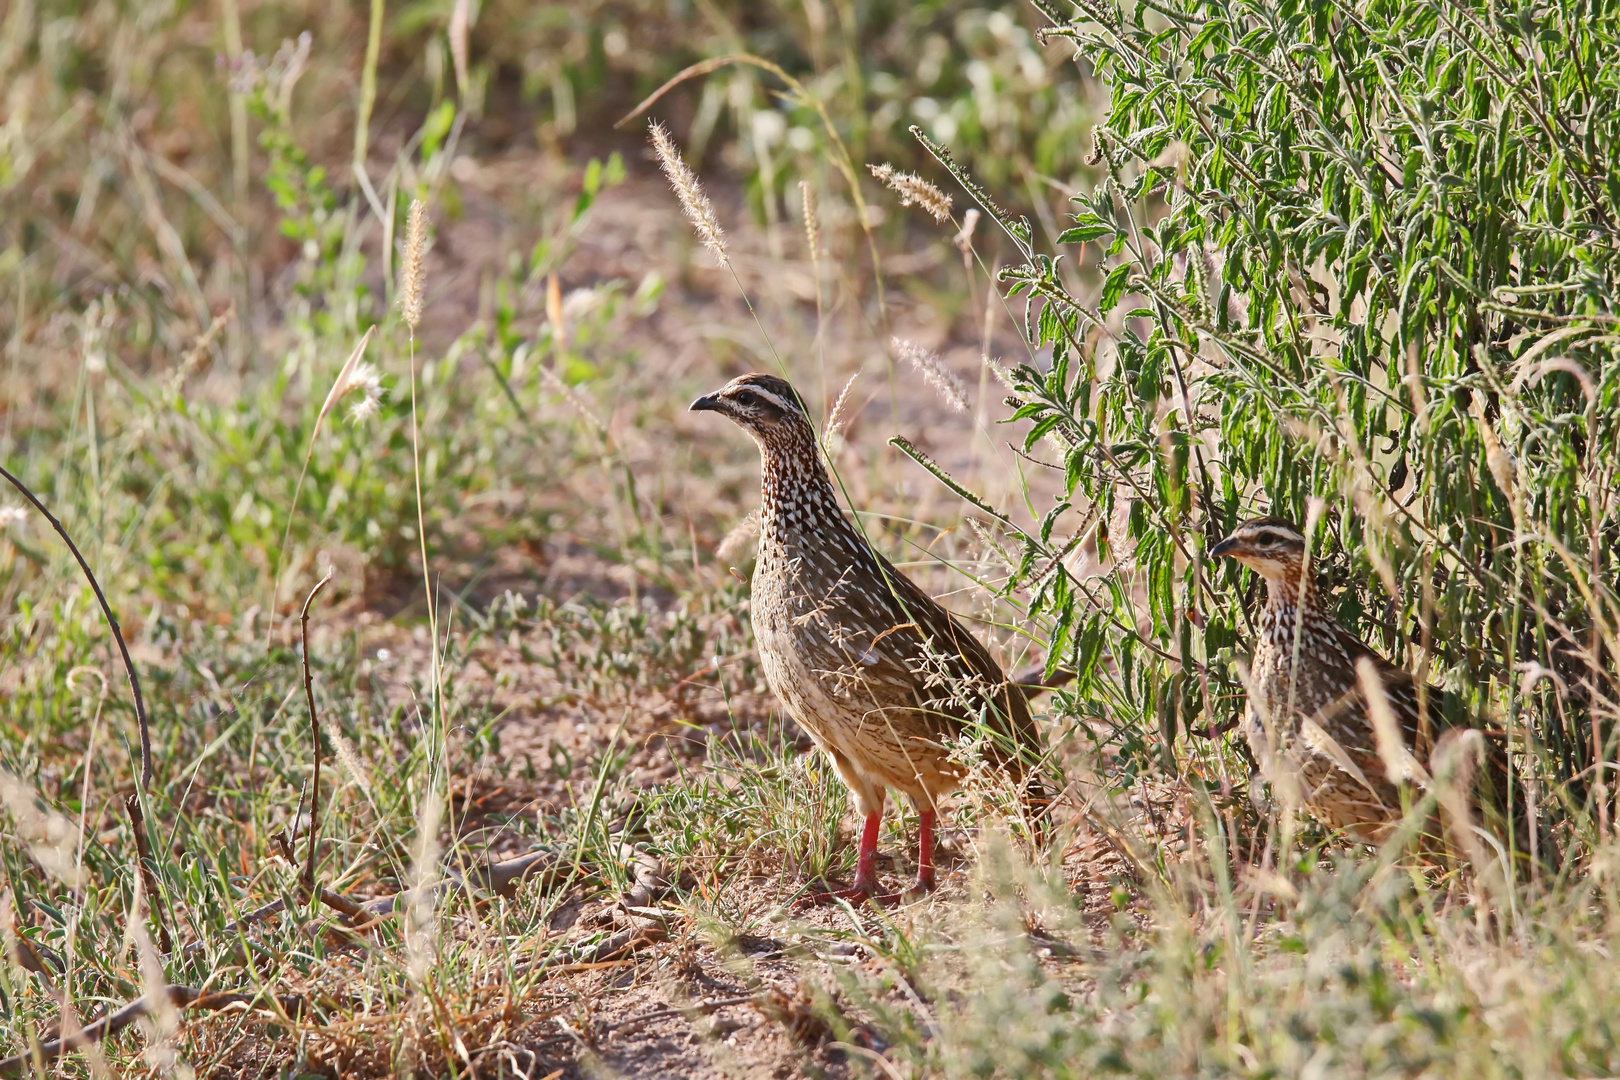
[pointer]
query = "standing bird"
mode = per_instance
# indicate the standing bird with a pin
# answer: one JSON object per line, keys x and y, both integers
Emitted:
{"x": 878, "y": 674}
{"x": 1309, "y": 721}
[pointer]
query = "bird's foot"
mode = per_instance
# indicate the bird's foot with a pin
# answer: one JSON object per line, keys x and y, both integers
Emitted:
{"x": 861, "y": 891}
{"x": 832, "y": 896}
{"x": 923, "y": 884}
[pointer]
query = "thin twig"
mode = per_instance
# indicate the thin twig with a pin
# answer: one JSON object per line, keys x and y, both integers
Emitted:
{"x": 605, "y": 951}
{"x": 314, "y": 734}
{"x": 143, "y": 857}
{"x": 341, "y": 904}
{"x": 112, "y": 622}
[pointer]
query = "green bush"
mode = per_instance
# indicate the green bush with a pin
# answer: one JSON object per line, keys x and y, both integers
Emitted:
{"x": 1358, "y": 254}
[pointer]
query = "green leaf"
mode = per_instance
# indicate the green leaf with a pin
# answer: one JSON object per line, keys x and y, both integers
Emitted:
{"x": 1114, "y": 287}
{"x": 1081, "y": 234}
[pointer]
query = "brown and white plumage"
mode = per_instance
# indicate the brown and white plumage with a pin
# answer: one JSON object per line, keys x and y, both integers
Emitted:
{"x": 881, "y": 677}
{"x": 1309, "y": 721}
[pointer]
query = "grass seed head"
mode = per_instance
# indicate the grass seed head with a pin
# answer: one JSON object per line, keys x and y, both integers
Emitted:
{"x": 420, "y": 920}
{"x": 460, "y": 21}
{"x": 354, "y": 375}
{"x": 840, "y": 417}
{"x": 1003, "y": 376}
{"x": 411, "y": 276}
{"x": 693, "y": 201}
{"x": 736, "y": 541}
{"x": 934, "y": 373}
{"x": 914, "y": 189}
{"x": 812, "y": 229}
{"x": 368, "y": 380}
{"x": 348, "y": 755}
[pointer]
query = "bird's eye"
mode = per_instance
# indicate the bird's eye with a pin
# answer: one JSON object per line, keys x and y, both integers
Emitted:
{"x": 745, "y": 398}
{"x": 1267, "y": 538}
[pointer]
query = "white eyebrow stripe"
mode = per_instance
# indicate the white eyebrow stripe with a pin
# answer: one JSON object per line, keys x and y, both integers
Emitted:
{"x": 1281, "y": 531}
{"x": 774, "y": 399}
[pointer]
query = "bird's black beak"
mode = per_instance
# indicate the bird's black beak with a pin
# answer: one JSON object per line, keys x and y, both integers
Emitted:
{"x": 1225, "y": 547}
{"x": 707, "y": 403}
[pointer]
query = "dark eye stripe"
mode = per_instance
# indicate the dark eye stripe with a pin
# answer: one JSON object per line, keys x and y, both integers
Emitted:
{"x": 759, "y": 396}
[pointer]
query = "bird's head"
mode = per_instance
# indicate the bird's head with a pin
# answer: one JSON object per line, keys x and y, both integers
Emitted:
{"x": 1272, "y": 547}
{"x": 765, "y": 406}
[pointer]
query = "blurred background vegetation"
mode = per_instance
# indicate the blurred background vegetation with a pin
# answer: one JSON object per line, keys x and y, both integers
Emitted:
{"x": 549, "y": 77}
{"x": 168, "y": 162}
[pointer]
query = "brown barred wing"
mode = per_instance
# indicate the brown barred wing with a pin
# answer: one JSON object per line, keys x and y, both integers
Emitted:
{"x": 1402, "y": 691}
{"x": 957, "y": 680}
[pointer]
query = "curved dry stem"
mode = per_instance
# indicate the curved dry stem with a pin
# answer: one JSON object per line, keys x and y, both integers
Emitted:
{"x": 112, "y": 623}
{"x": 314, "y": 734}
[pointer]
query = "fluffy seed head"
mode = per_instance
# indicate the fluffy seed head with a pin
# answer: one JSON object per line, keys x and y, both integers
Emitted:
{"x": 840, "y": 417}
{"x": 699, "y": 211}
{"x": 363, "y": 376}
{"x": 914, "y": 189}
{"x": 1003, "y": 376}
{"x": 737, "y": 539}
{"x": 367, "y": 380}
{"x": 934, "y": 372}
{"x": 349, "y": 378}
{"x": 12, "y": 517}
{"x": 812, "y": 231}
{"x": 411, "y": 277}
{"x": 347, "y": 755}
{"x": 420, "y": 922}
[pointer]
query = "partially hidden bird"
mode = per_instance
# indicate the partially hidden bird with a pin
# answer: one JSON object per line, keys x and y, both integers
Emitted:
{"x": 882, "y": 678}
{"x": 1310, "y": 721}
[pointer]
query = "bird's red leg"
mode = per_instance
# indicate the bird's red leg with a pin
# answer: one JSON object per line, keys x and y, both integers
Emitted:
{"x": 925, "y": 852}
{"x": 866, "y": 882}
